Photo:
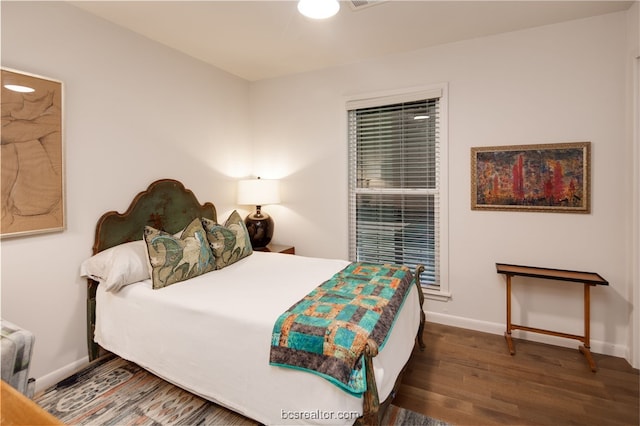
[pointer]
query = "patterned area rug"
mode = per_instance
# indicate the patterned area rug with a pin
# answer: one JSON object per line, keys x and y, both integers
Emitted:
{"x": 113, "y": 391}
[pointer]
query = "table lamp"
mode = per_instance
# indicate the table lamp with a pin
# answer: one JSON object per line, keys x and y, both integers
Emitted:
{"x": 259, "y": 192}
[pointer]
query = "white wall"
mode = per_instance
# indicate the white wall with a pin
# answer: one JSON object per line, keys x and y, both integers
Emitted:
{"x": 633, "y": 36}
{"x": 558, "y": 83}
{"x": 134, "y": 112}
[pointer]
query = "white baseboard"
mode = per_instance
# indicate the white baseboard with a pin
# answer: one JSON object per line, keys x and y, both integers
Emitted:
{"x": 48, "y": 380}
{"x": 597, "y": 346}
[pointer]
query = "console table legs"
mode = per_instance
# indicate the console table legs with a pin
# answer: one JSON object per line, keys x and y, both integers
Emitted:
{"x": 585, "y": 349}
{"x": 587, "y": 354}
{"x": 512, "y": 348}
{"x": 507, "y": 334}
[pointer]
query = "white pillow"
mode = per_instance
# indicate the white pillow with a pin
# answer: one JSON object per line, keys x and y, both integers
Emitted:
{"x": 118, "y": 266}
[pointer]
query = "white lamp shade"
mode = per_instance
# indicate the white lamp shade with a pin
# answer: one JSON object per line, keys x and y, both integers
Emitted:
{"x": 258, "y": 192}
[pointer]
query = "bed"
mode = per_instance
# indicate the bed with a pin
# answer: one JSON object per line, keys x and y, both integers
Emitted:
{"x": 212, "y": 334}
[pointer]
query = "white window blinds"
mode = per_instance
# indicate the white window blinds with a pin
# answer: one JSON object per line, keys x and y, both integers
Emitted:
{"x": 394, "y": 187}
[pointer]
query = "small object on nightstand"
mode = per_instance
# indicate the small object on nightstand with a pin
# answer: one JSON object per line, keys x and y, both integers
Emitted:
{"x": 259, "y": 192}
{"x": 277, "y": 248}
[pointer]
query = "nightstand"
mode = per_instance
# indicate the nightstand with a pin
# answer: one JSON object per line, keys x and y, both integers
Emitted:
{"x": 277, "y": 248}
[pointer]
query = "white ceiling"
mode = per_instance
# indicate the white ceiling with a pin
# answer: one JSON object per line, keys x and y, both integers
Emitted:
{"x": 263, "y": 39}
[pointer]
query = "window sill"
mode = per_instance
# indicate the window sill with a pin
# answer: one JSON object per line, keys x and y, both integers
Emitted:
{"x": 440, "y": 296}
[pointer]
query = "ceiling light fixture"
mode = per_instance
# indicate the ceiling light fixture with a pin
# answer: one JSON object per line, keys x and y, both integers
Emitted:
{"x": 318, "y": 9}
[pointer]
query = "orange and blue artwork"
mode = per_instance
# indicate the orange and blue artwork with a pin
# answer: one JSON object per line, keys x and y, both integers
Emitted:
{"x": 547, "y": 177}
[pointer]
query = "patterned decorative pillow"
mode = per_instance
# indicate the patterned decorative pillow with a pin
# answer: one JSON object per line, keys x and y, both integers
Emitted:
{"x": 229, "y": 242}
{"x": 176, "y": 259}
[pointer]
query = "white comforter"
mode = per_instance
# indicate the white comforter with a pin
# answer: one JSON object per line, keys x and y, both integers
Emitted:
{"x": 211, "y": 336}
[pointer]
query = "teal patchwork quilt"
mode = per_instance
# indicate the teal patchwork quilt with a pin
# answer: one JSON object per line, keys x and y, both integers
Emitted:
{"x": 326, "y": 332}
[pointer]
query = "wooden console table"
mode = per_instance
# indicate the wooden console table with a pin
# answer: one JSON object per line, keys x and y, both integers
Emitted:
{"x": 589, "y": 279}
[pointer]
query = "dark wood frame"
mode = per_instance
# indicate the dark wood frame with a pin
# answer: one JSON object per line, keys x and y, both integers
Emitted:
{"x": 167, "y": 205}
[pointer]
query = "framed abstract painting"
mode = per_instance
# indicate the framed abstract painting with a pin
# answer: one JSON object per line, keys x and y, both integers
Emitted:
{"x": 31, "y": 158}
{"x": 545, "y": 177}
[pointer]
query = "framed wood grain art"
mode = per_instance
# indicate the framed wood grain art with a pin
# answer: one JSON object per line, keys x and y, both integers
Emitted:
{"x": 31, "y": 157}
{"x": 544, "y": 178}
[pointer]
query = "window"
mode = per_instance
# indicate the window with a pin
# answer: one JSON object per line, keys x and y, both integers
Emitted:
{"x": 397, "y": 196}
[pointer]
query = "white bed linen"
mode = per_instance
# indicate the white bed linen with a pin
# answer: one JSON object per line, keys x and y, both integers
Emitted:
{"x": 211, "y": 336}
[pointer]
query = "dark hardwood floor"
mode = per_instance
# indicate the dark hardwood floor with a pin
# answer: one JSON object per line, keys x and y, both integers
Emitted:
{"x": 466, "y": 377}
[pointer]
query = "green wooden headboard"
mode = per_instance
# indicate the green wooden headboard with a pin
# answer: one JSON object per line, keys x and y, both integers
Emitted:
{"x": 167, "y": 205}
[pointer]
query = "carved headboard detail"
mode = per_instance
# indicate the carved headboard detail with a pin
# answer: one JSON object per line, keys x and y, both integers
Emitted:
{"x": 165, "y": 205}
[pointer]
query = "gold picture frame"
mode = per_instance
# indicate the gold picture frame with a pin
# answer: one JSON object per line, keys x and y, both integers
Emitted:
{"x": 32, "y": 157}
{"x": 543, "y": 178}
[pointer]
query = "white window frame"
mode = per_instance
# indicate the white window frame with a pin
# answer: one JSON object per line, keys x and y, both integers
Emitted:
{"x": 407, "y": 95}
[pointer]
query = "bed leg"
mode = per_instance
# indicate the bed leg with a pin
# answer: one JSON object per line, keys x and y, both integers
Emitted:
{"x": 92, "y": 347}
{"x": 371, "y": 401}
{"x": 419, "y": 338}
{"x": 421, "y": 344}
